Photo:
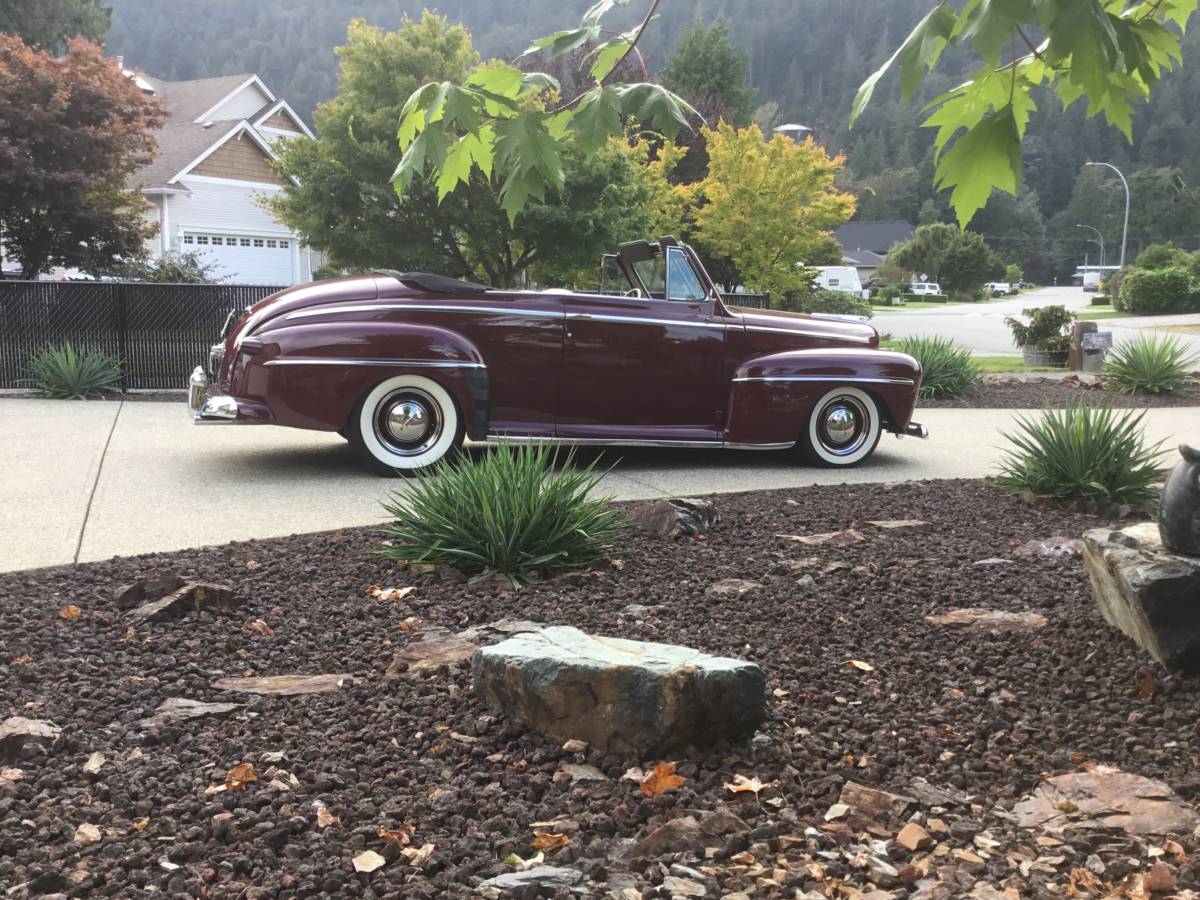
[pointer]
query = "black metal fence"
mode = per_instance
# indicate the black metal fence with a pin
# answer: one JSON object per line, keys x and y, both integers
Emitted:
{"x": 160, "y": 331}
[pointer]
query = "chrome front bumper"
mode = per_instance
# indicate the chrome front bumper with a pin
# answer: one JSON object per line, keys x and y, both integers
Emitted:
{"x": 217, "y": 410}
{"x": 915, "y": 429}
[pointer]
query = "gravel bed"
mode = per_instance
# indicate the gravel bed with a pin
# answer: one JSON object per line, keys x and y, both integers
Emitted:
{"x": 978, "y": 715}
{"x": 1035, "y": 394}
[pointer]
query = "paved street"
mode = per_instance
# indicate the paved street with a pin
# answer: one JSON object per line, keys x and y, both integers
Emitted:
{"x": 980, "y": 326}
{"x": 86, "y": 481}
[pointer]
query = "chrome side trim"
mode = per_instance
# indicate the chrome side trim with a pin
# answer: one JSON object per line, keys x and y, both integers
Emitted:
{"x": 638, "y": 320}
{"x": 814, "y": 334}
{"x": 422, "y": 307}
{"x": 598, "y": 442}
{"x": 786, "y": 445}
{"x": 347, "y": 361}
{"x": 857, "y": 379}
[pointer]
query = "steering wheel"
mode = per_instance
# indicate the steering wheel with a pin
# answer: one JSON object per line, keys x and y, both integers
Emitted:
{"x": 636, "y": 292}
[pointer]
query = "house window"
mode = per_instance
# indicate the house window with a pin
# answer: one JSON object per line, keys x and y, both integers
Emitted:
{"x": 188, "y": 239}
{"x": 258, "y": 242}
{"x": 283, "y": 245}
{"x": 202, "y": 239}
{"x": 217, "y": 240}
{"x": 245, "y": 242}
{"x": 270, "y": 243}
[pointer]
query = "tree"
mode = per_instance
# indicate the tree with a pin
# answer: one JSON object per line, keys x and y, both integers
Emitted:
{"x": 1014, "y": 274}
{"x": 958, "y": 260}
{"x": 75, "y": 130}
{"x": 50, "y": 24}
{"x": 340, "y": 201}
{"x": 170, "y": 268}
{"x": 708, "y": 69}
{"x": 768, "y": 205}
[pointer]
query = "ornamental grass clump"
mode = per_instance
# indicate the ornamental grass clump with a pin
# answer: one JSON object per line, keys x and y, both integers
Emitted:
{"x": 62, "y": 373}
{"x": 947, "y": 369}
{"x": 1150, "y": 364}
{"x": 1089, "y": 453}
{"x": 509, "y": 513}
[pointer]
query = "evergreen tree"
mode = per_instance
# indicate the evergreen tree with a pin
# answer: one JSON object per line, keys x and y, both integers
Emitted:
{"x": 50, "y": 24}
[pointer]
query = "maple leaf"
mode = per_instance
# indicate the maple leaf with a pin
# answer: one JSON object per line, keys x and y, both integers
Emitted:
{"x": 662, "y": 778}
{"x": 544, "y": 840}
{"x": 401, "y": 835}
{"x": 418, "y": 856}
{"x": 741, "y": 784}
{"x": 69, "y": 612}
{"x": 239, "y": 776}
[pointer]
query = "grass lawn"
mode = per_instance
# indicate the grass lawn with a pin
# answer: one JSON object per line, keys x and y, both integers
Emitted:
{"x": 1009, "y": 364}
{"x": 911, "y": 304}
{"x": 1100, "y": 312}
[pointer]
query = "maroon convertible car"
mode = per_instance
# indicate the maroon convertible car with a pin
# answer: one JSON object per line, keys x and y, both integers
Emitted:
{"x": 405, "y": 365}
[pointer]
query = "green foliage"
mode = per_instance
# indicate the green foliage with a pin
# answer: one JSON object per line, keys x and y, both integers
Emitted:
{"x": 1048, "y": 329}
{"x": 170, "y": 268}
{"x": 709, "y": 70}
{"x": 1081, "y": 452}
{"x": 947, "y": 368}
{"x": 1147, "y": 292}
{"x": 1013, "y": 274}
{"x": 820, "y": 300}
{"x": 1160, "y": 256}
{"x": 957, "y": 260}
{"x": 1150, "y": 364}
{"x": 1110, "y": 53}
{"x": 64, "y": 374}
{"x": 508, "y": 513}
{"x": 50, "y": 24}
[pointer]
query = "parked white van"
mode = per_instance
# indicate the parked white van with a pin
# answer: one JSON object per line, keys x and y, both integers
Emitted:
{"x": 924, "y": 287}
{"x": 840, "y": 278}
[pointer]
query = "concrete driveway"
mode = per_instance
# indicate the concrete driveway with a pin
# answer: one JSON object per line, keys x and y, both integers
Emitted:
{"x": 980, "y": 326}
{"x": 90, "y": 480}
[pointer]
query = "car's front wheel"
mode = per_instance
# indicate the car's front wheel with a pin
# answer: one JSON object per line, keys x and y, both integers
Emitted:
{"x": 843, "y": 429}
{"x": 404, "y": 424}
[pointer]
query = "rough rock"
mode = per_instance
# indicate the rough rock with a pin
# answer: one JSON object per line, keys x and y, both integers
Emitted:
{"x": 832, "y": 538}
{"x": 893, "y": 524}
{"x": 537, "y": 877}
{"x": 679, "y": 516}
{"x": 491, "y": 632}
{"x": 87, "y": 833}
{"x": 1057, "y": 547}
{"x": 283, "y": 685}
{"x": 683, "y": 887}
{"x": 872, "y": 802}
{"x": 983, "y": 621}
{"x": 149, "y": 586}
{"x": 17, "y": 731}
{"x": 432, "y": 651}
{"x": 913, "y": 837}
{"x": 178, "y": 709}
{"x": 620, "y": 696}
{"x": 192, "y": 596}
{"x": 1147, "y": 591}
{"x": 1105, "y": 797}
{"x": 731, "y": 587}
{"x": 582, "y": 772}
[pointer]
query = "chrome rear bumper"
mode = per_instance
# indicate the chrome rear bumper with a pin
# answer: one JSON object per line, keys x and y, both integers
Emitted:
{"x": 915, "y": 429}
{"x": 217, "y": 410}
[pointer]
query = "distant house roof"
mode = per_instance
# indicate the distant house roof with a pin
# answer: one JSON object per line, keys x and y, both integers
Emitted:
{"x": 863, "y": 259}
{"x": 187, "y": 100}
{"x": 878, "y": 235}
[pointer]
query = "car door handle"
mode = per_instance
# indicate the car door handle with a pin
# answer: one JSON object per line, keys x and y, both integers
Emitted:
{"x": 580, "y": 316}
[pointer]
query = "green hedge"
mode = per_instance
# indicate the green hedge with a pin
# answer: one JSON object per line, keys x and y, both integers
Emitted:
{"x": 820, "y": 300}
{"x": 1150, "y": 291}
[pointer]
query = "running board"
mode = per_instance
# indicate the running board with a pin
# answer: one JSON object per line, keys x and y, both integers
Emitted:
{"x": 631, "y": 442}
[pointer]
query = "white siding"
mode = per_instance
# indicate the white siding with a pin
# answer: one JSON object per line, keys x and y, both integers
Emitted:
{"x": 241, "y": 105}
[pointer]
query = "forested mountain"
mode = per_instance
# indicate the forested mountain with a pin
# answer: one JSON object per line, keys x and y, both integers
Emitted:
{"x": 807, "y": 59}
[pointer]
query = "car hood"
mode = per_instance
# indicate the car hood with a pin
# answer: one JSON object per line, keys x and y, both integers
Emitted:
{"x": 827, "y": 326}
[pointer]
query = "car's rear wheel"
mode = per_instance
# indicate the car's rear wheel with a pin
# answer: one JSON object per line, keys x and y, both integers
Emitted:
{"x": 843, "y": 429}
{"x": 405, "y": 424}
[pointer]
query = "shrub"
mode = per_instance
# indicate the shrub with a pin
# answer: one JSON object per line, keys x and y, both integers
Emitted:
{"x": 507, "y": 513}
{"x": 1047, "y": 329}
{"x": 947, "y": 368}
{"x": 1013, "y": 273}
{"x": 1081, "y": 452}
{"x": 1149, "y": 291}
{"x": 1160, "y": 256}
{"x": 1112, "y": 289}
{"x": 1150, "y": 364}
{"x": 820, "y": 300}
{"x": 63, "y": 373}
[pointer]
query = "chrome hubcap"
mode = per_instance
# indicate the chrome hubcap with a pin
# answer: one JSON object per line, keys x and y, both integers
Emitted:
{"x": 843, "y": 426}
{"x": 407, "y": 422}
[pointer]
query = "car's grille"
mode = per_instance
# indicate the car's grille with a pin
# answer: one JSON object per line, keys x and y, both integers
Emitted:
{"x": 216, "y": 353}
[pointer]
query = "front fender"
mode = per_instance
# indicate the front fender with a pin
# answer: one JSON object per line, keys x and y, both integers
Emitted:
{"x": 772, "y": 396}
{"x": 311, "y": 375}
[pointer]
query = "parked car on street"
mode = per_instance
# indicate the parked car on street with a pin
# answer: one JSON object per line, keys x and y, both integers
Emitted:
{"x": 840, "y": 278}
{"x": 924, "y": 287}
{"x": 404, "y": 365}
{"x": 999, "y": 288}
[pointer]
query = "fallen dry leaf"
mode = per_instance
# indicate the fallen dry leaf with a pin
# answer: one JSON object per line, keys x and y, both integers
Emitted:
{"x": 22, "y": 660}
{"x": 261, "y": 627}
{"x": 95, "y": 763}
{"x": 662, "y": 778}
{"x": 522, "y": 864}
{"x": 141, "y": 824}
{"x": 401, "y": 835}
{"x": 325, "y": 818}
{"x": 741, "y": 784}
{"x": 239, "y": 776}
{"x": 418, "y": 856}
{"x": 833, "y": 538}
{"x": 860, "y": 665}
{"x": 368, "y": 861}
{"x": 384, "y": 595}
{"x": 1147, "y": 684}
{"x": 544, "y": 840}
{"x": 69, "y": 612}
{"x": 411, "y": 623}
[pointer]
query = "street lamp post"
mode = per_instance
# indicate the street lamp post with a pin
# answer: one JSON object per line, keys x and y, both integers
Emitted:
{"x": 1101, "y": 241}
{"x": 1125, "y": 229}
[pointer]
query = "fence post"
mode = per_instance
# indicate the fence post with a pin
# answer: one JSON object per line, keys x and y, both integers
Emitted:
{"x": 122, "y": 341}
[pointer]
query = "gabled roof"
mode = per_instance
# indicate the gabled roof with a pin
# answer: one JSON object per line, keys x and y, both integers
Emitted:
{"x": 243, "y": 128}
{"x": 878, "y": 235}
{"x": 280, "y": 106}
{"x": 863, "y": 258}
{"x": 178, "y": 146}
{"x": 188, "y": 100}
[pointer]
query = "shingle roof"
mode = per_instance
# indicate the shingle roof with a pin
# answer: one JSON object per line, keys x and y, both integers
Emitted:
{"x": 178, "y": 145}
{"x": 863, "y": 258}
{"x": 877, "y": 235}
{"x": 187, "y": 100}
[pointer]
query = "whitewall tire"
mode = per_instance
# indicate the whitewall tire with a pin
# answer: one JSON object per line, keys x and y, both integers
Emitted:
{"x": 404, "y": 424}
{"x": 843, "y": 428}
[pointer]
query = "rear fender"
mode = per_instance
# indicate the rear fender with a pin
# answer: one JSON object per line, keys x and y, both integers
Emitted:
{"x": 311, "y": 375}
{"x": 772, "y": 397}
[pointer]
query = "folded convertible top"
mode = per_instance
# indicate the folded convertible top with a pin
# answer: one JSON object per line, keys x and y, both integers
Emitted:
{"x": 439, "y": 284}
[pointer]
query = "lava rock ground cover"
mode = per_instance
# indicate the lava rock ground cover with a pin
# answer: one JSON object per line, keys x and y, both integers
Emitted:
{"x": 981, "y": 716}
{"x": 1034, "y": 394}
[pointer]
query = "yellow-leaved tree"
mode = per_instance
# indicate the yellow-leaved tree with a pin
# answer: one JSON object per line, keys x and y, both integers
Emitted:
{"x": 767, "y": 205}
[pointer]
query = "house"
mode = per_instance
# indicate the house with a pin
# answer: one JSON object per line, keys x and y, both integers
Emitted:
{"x": 211, "y": 172}
{"x": 866, "y": 243}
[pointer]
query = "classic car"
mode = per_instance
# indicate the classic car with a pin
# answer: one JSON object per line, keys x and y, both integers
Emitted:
{"x": 404, "y": 365}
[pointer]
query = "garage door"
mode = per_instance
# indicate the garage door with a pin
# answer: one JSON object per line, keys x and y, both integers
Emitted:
{"x": 242, "y": 259}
